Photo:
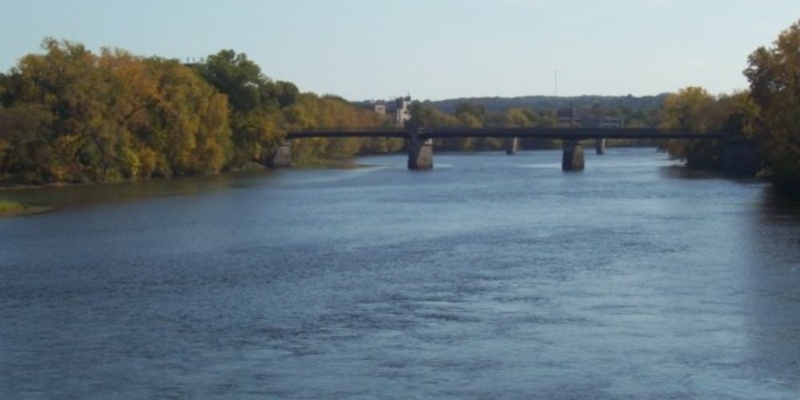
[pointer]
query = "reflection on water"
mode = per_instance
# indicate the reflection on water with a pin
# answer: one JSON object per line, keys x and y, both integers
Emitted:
{"x": 83, "y": 195}
{"x": 773, "y": 238}
{"x": 497, "y": 277}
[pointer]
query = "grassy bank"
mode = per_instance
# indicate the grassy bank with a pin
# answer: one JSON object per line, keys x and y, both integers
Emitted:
{"x": 9, "y": 208}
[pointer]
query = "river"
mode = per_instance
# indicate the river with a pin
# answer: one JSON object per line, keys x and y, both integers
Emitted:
{"x": 489, "y": 277}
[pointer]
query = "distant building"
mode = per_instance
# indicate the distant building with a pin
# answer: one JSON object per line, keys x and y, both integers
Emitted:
{"x": 398, "y": 108}
{"x": 194, "y": 62}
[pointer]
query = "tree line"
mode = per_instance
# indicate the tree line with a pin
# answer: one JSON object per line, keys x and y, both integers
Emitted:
{"x": 473, "y": 113}
{"x": 765, "y": 118}
{"x": 73, "y": 116}
{"x": 70, "y": 115}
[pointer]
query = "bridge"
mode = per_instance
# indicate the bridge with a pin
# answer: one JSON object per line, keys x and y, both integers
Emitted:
{"x": 420, "y": 140}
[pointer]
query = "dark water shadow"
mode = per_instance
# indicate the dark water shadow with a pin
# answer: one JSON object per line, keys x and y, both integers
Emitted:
{"x": 679, "y": 171}
{"x": 772, "y": 237}
{"x": 55, "y": 198}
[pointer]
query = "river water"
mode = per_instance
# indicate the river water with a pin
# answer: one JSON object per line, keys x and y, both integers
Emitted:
{"x": 489, "y": 277}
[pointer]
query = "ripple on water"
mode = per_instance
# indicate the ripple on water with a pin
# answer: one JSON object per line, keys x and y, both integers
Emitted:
{"x": 498, "y": 277}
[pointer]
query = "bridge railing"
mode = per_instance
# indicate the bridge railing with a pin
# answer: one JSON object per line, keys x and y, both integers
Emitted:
{"x": 349, "y": 133}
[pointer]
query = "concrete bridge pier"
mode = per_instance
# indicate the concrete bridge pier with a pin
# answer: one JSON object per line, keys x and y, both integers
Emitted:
{"x": 280, "y": 157}
{"x": 600, "y": 146}
{"x": 572, "y": 159}
{"x": 512, "y": 145}
{"x": 420, "y": 153}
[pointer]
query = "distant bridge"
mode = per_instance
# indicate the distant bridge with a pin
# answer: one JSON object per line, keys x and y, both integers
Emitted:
{"x": 420, "y": 152}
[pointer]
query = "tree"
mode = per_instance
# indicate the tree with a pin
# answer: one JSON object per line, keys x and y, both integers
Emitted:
{"x": 428, "y": 117}
{"x": 517, "y": 117}
{"x": 774, "y": 76}
{"x": 66, "y": 81}
{"x": 740, "y": 116}
{"x": 693, "y": 109}
{"x": 25, "y": 137}
{"x": 256, "y": 103}
{"x": 188, "y": 125}
{"x": 73, "y": 116}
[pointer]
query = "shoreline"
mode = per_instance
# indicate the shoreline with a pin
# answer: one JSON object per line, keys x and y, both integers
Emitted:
{"x": 11, "y": 187}
{"x": 316, "y": 164}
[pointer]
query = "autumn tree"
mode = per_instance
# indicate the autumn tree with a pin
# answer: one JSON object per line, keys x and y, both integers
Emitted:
{"x": 311, "y": 112}
{"x": 740, "y": 116}
{"x": 694, "y": 110}
{"x": 66, "y": 82}
{"x": 368, "y": 118}
{"x": 188, "y": 126}
{"x": 517, "y": 118}
{"x": 774, "y": 75}
{"x": 469, "y": 115}
{"x": 82, "y": 117}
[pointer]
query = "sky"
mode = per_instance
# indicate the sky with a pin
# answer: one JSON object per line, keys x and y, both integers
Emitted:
{"x": 429, "y": 49}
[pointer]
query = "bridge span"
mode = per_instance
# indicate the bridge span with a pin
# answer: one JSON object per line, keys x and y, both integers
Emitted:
{"x": 420, "y": 140}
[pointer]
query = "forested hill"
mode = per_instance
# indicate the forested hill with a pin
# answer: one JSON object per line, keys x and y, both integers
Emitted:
{"x": 549, "y": 103}
{"x": 553, "y": 103}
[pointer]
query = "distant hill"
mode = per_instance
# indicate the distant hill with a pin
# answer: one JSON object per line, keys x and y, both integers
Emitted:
{"x": 553, "y": 103}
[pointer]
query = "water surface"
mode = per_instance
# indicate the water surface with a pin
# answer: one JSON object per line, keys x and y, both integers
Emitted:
{"x": 490, "y": 277}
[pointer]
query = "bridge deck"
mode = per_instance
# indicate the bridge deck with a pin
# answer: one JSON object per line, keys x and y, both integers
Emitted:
{"x": 539, "y": 133}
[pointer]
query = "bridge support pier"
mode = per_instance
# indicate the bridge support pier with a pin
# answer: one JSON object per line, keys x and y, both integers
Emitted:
{"x": 280, "y": 157}
{"x": 420, "y": 154}
{"x": 572, "y": 159}
{"x": 600, "y": 146}
{"x": 512, "y": 145}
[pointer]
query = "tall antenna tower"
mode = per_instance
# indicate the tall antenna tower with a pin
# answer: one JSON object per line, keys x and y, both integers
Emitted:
{"x": 555, "y": 74}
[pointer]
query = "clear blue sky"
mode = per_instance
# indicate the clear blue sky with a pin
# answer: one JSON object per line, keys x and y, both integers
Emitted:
{"x": 431, "y": 49}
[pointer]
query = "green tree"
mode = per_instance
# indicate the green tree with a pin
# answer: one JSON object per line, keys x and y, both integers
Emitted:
{"x": 255, "y": 100}
{"x": 26, "y": 154}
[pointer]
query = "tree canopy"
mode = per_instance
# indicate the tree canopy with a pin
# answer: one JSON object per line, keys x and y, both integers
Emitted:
{"x": 70, "y": 115}
{"x": 774, "y": 75}
{"x": 108, "y": 117}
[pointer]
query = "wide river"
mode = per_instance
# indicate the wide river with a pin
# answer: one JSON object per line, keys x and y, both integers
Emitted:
{"x": 489, "y": 277}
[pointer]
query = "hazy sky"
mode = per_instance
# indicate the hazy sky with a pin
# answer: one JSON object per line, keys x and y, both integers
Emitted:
{"x": 430, "y": 49}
